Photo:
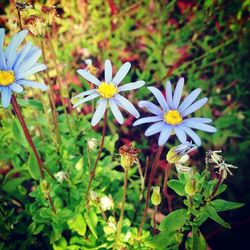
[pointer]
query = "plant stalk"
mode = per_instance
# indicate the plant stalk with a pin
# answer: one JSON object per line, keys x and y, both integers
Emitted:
{"x": 165, "y": 188}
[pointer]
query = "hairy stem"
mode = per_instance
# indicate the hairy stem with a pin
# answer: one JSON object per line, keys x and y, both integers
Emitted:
{"x": 119, "y": 227}
{"x": 92, "y": 174}
{"x": 151, "y": 177}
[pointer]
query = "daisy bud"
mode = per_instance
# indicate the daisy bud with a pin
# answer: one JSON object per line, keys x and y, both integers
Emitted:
{"x": 129, "y": 155}
{"x": 45, "y": 186}
{"x": 156, "y": 196}
{"x": 190, "y": 187}
{"x": 36, "y": 25}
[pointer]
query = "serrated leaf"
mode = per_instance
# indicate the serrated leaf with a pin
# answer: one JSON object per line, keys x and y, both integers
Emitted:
{"x": 177, "y": 186}
{"x": 222, "y": 205}
{"x": 214, "y": 216}
{"x": 174, "y": 221}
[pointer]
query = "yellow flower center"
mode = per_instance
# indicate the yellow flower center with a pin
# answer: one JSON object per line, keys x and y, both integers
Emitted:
{"x": 6, "y": 77}
{"x": 172, "y": 117}
{"x": 107, "y": 90}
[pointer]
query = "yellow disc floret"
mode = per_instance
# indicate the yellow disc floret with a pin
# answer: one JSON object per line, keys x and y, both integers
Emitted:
{"x": 172, "y": 117}
{"x": 6, "y": 77}
{"x": 107, "y": 90}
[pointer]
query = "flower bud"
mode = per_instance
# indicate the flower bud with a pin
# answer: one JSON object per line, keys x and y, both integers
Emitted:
{"x": 129, "y": 156}
{"x": 190, "y": 187}
{"x": 156, "y": 196}
{"x": 45, "y": 186}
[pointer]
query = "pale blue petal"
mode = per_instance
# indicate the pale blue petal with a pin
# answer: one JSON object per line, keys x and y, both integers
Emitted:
{"x": 164, "y": 135}
{"x": 200, "y": 126}
{"x": 3, "y": 64}
{"x": 22, "y": 54}
{"x": 6, "y": 96}
{"x": 192, "y": 135}
{"x": 147, "y": 120}
{"x": 85, "y": 74}
{"x": 195, "y": 106}
{"x": 199, "y": 119}
{"x": 90, "y": 97}
{"x": 155, "y": 128}
{"x": 180, "y": 134}
{"x": 32, "y": 50}
{"x": 88, "y": 92}
{"x": 2, "y": 32}
{"x": 116, "y": 112}
{"x": 32, "y": 84}
{"x": 159, "y": 97}
{"x": 189, "y": 99}
{"x": 122, "y": 72}
{"x": 108, "y": 71}
{"x": 11, "y": 50}
{"x": 127, "y": 105}
{"x": 151, "y": 107}
{"x": 131, "y": 86}
{"x": 100, "y": 110}
{"x": 16, "y": 88}
{"x": 34, "y": 69}
{"x": 177, "y": 93}
{"x": 169, "y": 96}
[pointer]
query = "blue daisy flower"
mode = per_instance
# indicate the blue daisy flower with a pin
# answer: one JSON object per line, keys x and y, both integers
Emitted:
{"x": 172, "y": 117}
{"x": 108, "y": 92}
{"x": 17, "y": 66}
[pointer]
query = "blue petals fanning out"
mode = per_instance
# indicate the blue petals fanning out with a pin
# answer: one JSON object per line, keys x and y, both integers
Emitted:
{"x": 22, "y": 63}
{"x": 114, "y": 100}
{"x": 181, "y": 126}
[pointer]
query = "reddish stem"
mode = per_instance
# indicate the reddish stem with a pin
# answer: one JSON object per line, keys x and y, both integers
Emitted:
{"x": 165, "y": 188}
{"x": 151, "y": 177}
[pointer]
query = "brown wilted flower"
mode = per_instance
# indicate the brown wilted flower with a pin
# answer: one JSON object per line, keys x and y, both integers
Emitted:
{"x": 22, "y": 5}
{"x": 36, "y": 25}
{"x": 129, "y": 155}
{"x": 49, "y": 13}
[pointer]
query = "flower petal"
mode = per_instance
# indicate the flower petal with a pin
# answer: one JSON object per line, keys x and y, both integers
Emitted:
{"x": 88, "y": 98}
{"x": 155, "y": 128}
{"x": 22, "y": 54}
{"x": 16, "y": 88}
{"x": 177, "y": 93}
{"x": 32, "y": 84}
{"x": 131, "y": 86}
{"x": 85, "y": 74}
{"x": 151, "y": 107}
{"x": 195, "y": 106}
{"x": 108, "y": 71}
{"x": 116, "y": 112}
{"x": 164, "y": 135}
{"x": 127, "y": 105}
{"x": 147, "y": 120}
{"x": 200, "y": 126}
{"x": 192, "y": 135}
{"x": 121, "y": 73}
{"x": 180, "y": 134}
{"x": 6, "y": 96}
{"x": 88, "y": 92}
{"x": 3, "y": 64}
{"x": 159, "y": 97}
{"x": 34, "y": 69}
{"x": 189, "y": 99}
{"x": 199, "y": 119}
{"x": 169, "y": 96}
{"x": 2, "y": 33}
{"x": 100, "y": 110}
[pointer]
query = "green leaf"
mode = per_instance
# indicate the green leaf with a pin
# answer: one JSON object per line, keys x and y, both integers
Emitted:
{"x": 64, "y": 213}
{"x": 222, "y": 205}
{"x": 33, "y": 167}
{"x": 45, "y": 213}
{"x": 18, "y": 133}
{"x": 214, "y": 216}
{"x": 91, "y": 220}
{"x": 78, "y": 224}
{"x": 161, "y": 241}
{"x": 174, "y": 221}
{"x": 177, "y": 186}
{"x": 198, "y": 241}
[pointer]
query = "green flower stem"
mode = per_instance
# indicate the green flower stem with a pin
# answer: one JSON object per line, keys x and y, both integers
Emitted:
{"x": 119, "y": 225}
{"x": 51, "y": 98}
{"x": 59, "y": 80}
{"x": 92, "y": 174}
{"x": 155, "y": 213}
{"x": 151, "y": 177}
{"x": 19, "y": 115}
{"x": 165, "y": 187}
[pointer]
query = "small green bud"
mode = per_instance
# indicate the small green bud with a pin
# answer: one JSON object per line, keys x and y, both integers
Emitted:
{"x": 156, "y": 196}
{"x": 45, "y": 186}
{"x": 190, "y": 187}
{"x": 172, "y": 157}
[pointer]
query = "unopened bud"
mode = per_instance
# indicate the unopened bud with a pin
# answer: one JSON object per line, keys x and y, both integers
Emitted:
{"x": 190, "y": 187}
{"x": 156, "y": 196}
{"x": 45, "y": 186}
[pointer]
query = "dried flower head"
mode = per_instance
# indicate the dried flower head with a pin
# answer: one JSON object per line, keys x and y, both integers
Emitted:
{"x": 92, "y": 143}
{"x": 90, "y": 68}
{"x": 156, "y": 196}
{"x": 61, "y": 176}
{"x": 36, "y": 25}
{"x": 129, "y": 155}
{"x": 49, "y": 13}
{"x": 106, "y": 203}
{"x": 183, "y": 169}
{"x": 22, "y": 5}
{"x": 213, "y": 156}
{"x": 224, "y": 169}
